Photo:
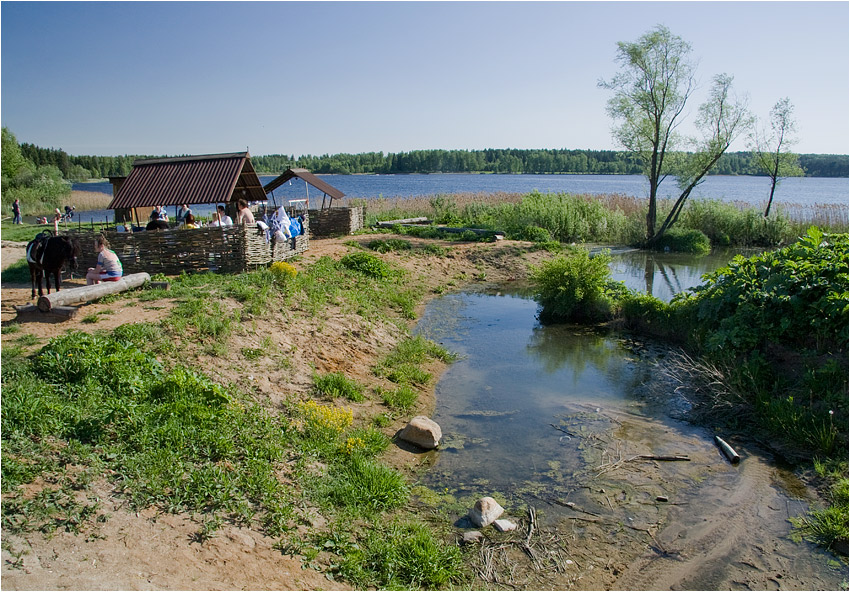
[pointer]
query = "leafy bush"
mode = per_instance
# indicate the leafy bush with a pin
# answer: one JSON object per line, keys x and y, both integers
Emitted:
{"x": 796, "y": 295}
{"x": 684, "y": 240}
{"x": 572, "y": 287}
{"x": 536, "y": 234}
{"x": 367, "y": 264}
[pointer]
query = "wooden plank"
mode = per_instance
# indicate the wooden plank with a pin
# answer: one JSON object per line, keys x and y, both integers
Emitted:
{"x": 66, "y": 312}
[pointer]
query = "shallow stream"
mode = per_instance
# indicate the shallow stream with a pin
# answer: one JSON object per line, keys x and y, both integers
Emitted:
{"x": 565, "y": 419}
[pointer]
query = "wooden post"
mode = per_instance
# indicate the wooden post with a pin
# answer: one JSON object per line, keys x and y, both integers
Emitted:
{"x": 93, "y": 292}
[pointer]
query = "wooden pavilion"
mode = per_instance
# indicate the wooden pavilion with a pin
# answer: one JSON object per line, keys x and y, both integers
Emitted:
{"x": 204, "y": 179}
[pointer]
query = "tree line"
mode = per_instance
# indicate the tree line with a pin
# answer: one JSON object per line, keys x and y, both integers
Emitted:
{"x": 491, "y": 160}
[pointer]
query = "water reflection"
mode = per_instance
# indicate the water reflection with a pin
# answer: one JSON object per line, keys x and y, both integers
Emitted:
{"x": 516, "y": 380}
{"x": 665, "y": 274}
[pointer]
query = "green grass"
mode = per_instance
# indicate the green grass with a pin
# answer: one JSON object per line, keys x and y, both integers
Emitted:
{"x": 170, "y": 438}
{"x": 336, "y": 384}
{"x": 403, "y": 365}
{"x": 17, "y": 273}
{"x": 400, "y": 555}
{"x": 827, "y": 526}
{"x": 123, "y": 404}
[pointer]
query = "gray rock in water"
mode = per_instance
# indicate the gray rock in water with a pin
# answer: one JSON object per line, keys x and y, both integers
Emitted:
{"x": 485, "y": 511}
{"x": 422, "y": 431}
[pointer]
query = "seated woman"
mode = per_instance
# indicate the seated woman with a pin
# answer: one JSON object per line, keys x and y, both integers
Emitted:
{"x": 109, "y": 268}
{"x": 189, "y": 221}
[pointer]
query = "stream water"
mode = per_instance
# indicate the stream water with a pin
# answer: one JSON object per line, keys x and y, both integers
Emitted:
{"x": 557, "y": 417}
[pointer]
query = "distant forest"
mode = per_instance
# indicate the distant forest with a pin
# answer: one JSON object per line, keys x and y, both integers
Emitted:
{"x": 600, "y": 162}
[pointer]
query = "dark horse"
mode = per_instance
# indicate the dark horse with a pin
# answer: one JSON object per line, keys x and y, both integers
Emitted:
{"x": 46, "y": 255}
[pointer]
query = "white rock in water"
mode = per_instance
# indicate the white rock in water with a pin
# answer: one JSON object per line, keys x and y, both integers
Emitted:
{"x": 485, "y": 511}
{"x": 422, "y": 431}
{"x": 504, "y": 525}
{"x": 472, "y": 536}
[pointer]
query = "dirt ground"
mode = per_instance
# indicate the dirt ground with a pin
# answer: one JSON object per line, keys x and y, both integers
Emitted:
{"x": 616, "y": 536}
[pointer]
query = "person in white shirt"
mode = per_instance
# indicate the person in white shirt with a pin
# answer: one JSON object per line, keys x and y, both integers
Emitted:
{"x": 225, "y": 219}
{"x": 219, "y": 218}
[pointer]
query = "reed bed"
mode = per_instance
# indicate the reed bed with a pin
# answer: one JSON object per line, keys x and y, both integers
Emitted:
{"x": 89, "y": 200}
{"x": 612, "y": 217}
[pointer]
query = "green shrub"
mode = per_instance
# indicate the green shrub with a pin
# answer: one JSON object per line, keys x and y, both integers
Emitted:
{"x": 684, "y": 240}
{"x": 367, "y": 264}
{"x": 572, "y": 287}
{"x": 796, "y": 295}
{"x": 536, "y": 234}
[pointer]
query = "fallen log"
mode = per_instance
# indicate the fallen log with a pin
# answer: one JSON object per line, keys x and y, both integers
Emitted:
{"x": 85, "y": 293}
{"x": 391, "y": 223}
{"x": 727, "y": 450}
{"x": 662, "y": 457}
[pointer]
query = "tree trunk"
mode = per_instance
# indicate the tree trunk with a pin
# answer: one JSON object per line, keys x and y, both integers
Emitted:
{"x": 93, "y": 292}
{"x": 770, "y": 200}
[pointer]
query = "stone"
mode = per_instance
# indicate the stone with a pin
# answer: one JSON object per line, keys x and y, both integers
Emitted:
{"x": 472, "y": 536}
{"x": 485, "y": 511}
{"x": 504, "y": 525}
{"x": 422, "y": 431}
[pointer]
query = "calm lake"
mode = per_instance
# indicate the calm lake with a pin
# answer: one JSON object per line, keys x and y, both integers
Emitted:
{"x": 805, "y": 191}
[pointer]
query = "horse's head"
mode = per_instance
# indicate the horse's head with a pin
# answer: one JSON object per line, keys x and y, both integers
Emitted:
{"x": 72, "y": 251}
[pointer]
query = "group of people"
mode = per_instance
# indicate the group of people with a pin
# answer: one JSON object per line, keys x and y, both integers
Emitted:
{"x": 186, "y": 218}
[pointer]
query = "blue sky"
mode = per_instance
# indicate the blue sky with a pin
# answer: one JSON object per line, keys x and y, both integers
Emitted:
{"x": 171, "y": 78}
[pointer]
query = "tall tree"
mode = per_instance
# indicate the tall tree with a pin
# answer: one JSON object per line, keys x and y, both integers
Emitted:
{"x": 771, "y": 147}
{"x": 655, "y": 82}
{"x": 722, "y": 118}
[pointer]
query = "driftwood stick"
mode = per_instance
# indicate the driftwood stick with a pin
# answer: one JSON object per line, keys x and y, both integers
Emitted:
{"x": 727, "y": 450}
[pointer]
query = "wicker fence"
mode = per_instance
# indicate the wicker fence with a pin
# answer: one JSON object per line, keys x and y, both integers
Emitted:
{"x": 228, "y": 249}
{"x": 336, "y": 221}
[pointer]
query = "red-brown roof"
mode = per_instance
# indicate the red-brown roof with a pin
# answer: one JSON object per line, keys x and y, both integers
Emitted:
{"x": 306, "y": 176}
{"x": 204, "y": 179}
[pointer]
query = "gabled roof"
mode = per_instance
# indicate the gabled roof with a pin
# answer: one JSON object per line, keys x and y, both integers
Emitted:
{"x": 203, "y": 179}
{"x": 306, "y": 176}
